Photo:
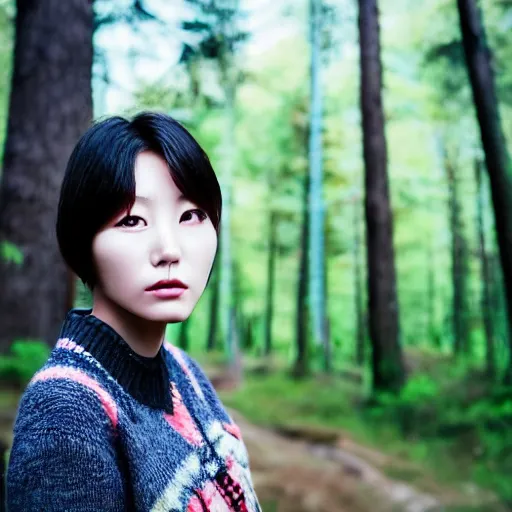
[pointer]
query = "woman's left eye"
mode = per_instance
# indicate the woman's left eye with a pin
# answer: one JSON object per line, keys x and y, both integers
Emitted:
{"x": 190, "y": 214}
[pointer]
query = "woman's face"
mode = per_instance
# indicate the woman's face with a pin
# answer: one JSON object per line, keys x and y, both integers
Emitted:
{"x": 163, "y": 237}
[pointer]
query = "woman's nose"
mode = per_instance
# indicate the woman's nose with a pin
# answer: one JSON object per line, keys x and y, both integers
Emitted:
{"x": 167, "y": 247}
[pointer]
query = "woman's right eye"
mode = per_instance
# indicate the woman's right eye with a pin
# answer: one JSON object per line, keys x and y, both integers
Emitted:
{"x": 130, "y": 221}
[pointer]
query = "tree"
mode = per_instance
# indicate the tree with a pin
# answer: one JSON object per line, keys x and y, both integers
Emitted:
{"x": 358, "y": 285}
{"x": 214, "y": 308}
{"x": 271, "y": 272}
{"x": 497, "y": 159}
{"x": 216, "y": 23}
{"x": 184, "y": 336}
{"x": 459, "y": 261}
{"x": 486, "y": 276}
{"x": 316, "y": 206}
{"x": 387, "y": 363}
{"x": 50, "y": 106}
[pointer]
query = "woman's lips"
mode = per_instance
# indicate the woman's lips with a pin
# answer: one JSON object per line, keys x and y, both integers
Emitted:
{"x": 167, "y": 293}
{"x": 167, "y": 289}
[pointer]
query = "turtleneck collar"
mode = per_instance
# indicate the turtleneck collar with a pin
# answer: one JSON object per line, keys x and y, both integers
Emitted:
{"x": 146, "y": 379}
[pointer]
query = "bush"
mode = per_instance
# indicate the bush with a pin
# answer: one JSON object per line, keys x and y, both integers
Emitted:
{"x": 414, "y": 409}
{"x": 27, "y": 356}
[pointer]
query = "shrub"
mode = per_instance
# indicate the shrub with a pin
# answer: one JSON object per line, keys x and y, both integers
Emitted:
{"x": 26, "y": 357}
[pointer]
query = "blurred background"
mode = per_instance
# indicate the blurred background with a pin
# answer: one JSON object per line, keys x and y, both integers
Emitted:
{"x": 358, "y": 322}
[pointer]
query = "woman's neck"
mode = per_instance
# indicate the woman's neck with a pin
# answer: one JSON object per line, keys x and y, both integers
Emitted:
{"x": 144, "y": 337}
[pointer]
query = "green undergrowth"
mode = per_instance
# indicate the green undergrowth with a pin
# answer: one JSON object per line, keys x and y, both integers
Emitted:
{"x": 447, "y": 426}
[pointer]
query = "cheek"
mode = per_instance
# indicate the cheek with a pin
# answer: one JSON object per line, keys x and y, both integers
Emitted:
{"x": 202, "y": 250}
{"x": 113, "y": 261}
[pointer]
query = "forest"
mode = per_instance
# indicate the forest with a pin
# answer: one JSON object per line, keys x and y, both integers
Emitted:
{"x": 358, "y": 320}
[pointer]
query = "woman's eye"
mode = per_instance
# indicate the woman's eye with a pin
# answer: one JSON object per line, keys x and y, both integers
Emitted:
{"x": 190, "y": 215}
{"x": 130, "y": 221}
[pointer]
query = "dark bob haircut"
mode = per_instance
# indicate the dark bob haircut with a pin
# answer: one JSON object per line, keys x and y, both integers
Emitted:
{"x": 99, "y": 182}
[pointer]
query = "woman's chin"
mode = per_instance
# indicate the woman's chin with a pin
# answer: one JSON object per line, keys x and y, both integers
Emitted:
{"x": 168, "y": 313}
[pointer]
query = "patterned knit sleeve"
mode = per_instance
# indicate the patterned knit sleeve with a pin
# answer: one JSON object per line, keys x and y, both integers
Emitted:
{"x": 63, "y": 457}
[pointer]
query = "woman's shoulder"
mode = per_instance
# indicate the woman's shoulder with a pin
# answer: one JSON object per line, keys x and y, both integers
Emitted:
{"x": 65, "y": 399}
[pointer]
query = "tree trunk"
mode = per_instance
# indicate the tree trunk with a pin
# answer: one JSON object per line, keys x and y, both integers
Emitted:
{"x": 388, "y": 368}
{"x": 459, "y": 261}
{"x": 478, "y": 59}
{"x": 214, "y": 307}
{"x": 271, "y": 267}
{"x": 316, "y": 215}
{"x": 50, "y": 106}
{"x": 301, "y": 366}
{"x": 486, "y": 277}
{"x": 226, "y": 286}
{"x": 358, "y": 286}
{"x": 433, "y": 333}
{"x": 327, "y": 344}
{"x": 183, "y": 340}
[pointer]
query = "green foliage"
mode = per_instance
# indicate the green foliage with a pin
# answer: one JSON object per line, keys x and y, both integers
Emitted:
{"x": 10, "y": 253}
{"x": 27, "y": 356}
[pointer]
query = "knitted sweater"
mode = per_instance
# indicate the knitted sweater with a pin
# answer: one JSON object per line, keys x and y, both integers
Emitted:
{"x": 101, "y": 428}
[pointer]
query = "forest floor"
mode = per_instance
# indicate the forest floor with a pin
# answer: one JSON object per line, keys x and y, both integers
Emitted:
{"x": 293, "y": 473}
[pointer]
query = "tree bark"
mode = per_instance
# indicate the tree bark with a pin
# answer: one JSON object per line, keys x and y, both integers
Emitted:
{"x": 497, "y": 159}
{"x": 271, "y": 268}
{"x": 50, "y": 106}
{"x": 214, "y": 306}
{"x": 486, "y": 277}
{"x": 388, "y": 368}
{"x": 358, "y": 286}
{"x": 301, "y": 366}
{"x": 459, "y": 263}
{"x": 183, "y": 340}
{"x": 316, "y": 204}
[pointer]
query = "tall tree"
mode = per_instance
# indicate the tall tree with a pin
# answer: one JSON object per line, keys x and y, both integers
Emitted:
{"x": 497, "y": 159}
{"x": 486, "y": 276}
{"x": 316, "y": 203}
{"x": 184, "y": 335}
{"x": 50, "y": 106}
{"x": 301, "y": 366}
{"x": 358, "y": 284}
{"x": 214, "y": 307}
{"x": 271, "y": 272}
{"x": 387, "y": 362}
{"x": 217, "y": 23}
{"x": 459, "y": 261}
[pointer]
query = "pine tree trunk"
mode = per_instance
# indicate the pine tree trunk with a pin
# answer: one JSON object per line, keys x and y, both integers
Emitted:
{"x": 226, "y": 287}
{"x": 183, "y": 340}
{"x": 271, "y": 268}
{"x": 301, "y": 366}
{"x": 388, "y": 368}
{"x": 214, "y": 306}
{"x": 327, "y": 345}
{"x": 358, "y": 286}
{"x": 499, "y": 167}
{"x": 486, "y": 277}
{"x": 459, "y": 259}
{"x": 431, "y": 298}
{"x": 316, "y": 216}
{"x": 50, "y": 106}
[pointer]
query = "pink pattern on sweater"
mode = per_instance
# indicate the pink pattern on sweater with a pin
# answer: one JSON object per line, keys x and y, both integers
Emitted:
{"x": 176, "y": 352}
{"x": 64, "y": 372}
{"x": 181, "y": 421}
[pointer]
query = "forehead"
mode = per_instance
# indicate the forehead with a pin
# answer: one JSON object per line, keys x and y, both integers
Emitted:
{"x": 153, "y": 177}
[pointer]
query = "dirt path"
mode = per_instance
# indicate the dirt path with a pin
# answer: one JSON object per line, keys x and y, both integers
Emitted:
{"x": 292, "y": 475}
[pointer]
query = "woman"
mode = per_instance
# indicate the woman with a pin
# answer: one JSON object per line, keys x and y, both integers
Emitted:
{"x": 118, "y": 418}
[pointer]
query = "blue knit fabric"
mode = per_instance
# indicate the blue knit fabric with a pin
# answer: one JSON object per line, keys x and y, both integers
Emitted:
{"x": 91, "y": 439}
